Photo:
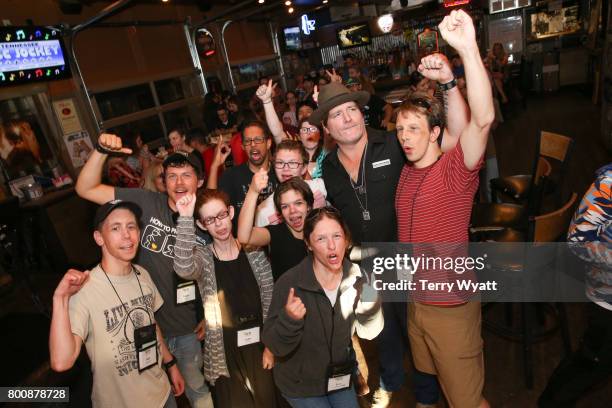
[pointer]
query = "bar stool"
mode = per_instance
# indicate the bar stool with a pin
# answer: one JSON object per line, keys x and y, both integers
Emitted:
{"x": 508, "y": 215}
{"x": 545, "y": 228}
{"x": 516, "y": 188}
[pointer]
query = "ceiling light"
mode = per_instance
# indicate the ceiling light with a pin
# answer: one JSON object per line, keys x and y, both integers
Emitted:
{"x": 290, "y": 10}
{"x": 261, "y": 1}
{"x": 287, "y": 3}
{"x": 324, "y": 1}
{"x": 385, "y": 23}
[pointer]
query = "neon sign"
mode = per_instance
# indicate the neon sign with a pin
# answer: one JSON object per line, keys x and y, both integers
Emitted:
{"x": 308, "y": 26}
{"x": 453, "y": 3}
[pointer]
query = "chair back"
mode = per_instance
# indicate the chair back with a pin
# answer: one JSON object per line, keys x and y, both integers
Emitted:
{"x": 551, "y": 226}
{"x": 555, "y": 146}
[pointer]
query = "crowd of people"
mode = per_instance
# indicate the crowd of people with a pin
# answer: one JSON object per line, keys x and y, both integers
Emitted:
{"x": 240, "y": 278}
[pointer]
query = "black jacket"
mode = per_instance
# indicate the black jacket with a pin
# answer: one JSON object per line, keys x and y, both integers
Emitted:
{"x": 302, "y": 347}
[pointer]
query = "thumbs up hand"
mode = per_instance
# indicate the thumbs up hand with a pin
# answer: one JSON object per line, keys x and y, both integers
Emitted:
{"x": 294, "y": 307}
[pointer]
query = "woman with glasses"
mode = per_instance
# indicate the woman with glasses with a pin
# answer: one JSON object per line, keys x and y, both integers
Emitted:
{"x": 311, "y": 137}
{"x": 236, "y": 288}
{"x": 316, "y": 307}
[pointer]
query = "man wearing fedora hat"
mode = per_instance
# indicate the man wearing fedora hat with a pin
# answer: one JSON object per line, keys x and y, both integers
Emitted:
{"x": 361, "y": 176}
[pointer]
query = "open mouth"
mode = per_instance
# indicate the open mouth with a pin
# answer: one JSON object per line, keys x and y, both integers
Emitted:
{"x": 296, "y": 221}
{"x": 255, "y": 155}
{"x": 333, "y": 259}
{"x": 127, "y": 247}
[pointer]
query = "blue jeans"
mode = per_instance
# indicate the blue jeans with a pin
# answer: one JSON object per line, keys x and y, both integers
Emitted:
{"x": 188, "y": 352}
{"x": 392, "y": 344}
{"x": 170, "y": 402}
{"x": 339, "y": 399}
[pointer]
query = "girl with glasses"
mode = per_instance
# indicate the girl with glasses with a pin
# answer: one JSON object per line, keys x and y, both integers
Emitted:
{"x": 316, "y": 307}
{"x": 236, "y": 287}
{"x": 311, "y": 137}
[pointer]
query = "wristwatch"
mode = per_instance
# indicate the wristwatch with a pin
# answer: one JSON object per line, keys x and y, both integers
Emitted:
{"x": 448, "y": 86}
{"x": 170, "y": 363}
{"x": 104, "y": 150}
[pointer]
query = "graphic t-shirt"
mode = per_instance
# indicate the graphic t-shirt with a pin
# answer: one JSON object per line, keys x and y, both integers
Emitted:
{"x": 156, "y": 255}
{"x": 266, "y": 211}
{"x": 107, "y": 329}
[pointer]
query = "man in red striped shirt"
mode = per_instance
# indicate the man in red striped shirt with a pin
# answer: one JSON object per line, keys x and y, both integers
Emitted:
{"x": 433, "y": 204}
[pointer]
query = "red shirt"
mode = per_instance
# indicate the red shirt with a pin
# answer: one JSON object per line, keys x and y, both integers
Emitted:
{"x": 434, "y": 205}
{"x": 238, "y": 154}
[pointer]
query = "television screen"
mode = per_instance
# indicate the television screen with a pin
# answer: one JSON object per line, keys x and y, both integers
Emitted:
{"x": 293, "y": 39}
{"x": 29, "y": 54}
{"x": 354, "y": 36}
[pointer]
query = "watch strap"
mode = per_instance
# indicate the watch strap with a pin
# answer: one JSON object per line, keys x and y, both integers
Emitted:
{"x": 449, "y": 85}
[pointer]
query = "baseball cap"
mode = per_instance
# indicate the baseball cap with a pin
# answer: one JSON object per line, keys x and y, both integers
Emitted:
{"x": 180, "y": 158}
{"x": 351, "y": 82}
{"x": 105, "y": 209}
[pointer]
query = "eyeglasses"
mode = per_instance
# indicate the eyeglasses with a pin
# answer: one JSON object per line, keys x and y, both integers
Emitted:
{"x": 423, "y": 103}
{"x": 254, "y": 141}
{"x": 309, "y": 130}
{"x": 292, "y": 165}
{"x": 221, "y": 216}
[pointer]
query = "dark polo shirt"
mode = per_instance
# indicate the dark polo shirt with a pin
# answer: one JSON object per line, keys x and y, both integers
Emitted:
{"x": 384, "y": 162}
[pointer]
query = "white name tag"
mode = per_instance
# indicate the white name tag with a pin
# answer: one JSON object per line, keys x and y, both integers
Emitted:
{"x": 381, "y": 163}
{"x": 185, "y": 292}
{"x": 248, "y": 336}
{"x": 338, "y": 383}
{"x": 147, "y": 357}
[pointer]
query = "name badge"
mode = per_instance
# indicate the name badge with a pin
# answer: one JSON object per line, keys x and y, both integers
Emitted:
{"x": 248, "y": 336}
{"x": 338, "y": 383}
{"x": 381, "y": 163}
{"x": 185, "y": 292}
{"x": 339, "y": 376}
{"x": 145, "y": 339}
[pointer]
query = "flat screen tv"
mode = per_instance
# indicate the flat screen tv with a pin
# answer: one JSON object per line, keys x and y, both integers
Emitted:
{"x": 293, "y": 38}
{"x": 31, "y": 54}
{"x": 354, "y": 36}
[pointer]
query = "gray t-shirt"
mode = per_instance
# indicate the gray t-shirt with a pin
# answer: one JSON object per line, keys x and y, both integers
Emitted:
{"x": 156, "y": 255}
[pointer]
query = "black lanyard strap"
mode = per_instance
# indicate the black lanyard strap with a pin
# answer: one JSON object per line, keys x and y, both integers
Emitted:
{"x": 121, "y": 302}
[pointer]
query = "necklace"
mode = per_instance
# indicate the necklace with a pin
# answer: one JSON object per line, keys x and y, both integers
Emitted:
{"x": 362, "y": 188}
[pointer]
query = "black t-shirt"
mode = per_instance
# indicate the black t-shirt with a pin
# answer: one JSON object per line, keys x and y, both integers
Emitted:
{"x": 286, "y": 251}
{"x": 236, "y": 181}
{"x": 384, "y": 162}
{"x": 156, "y": 255}
{"x": 374, "y": 112}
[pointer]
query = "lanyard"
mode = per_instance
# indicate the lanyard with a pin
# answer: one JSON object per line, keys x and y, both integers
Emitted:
{"x": 121, "y": 302}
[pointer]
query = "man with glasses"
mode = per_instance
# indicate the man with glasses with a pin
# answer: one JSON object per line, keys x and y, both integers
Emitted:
{"x": 289, "y": 161}
{"x": 235, "y": 181}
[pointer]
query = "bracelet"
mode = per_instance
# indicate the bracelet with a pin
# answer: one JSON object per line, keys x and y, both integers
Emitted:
{"x": 170, "y": 363}
{"x": 448, "y": 86}
{"x": 110, "y": 152}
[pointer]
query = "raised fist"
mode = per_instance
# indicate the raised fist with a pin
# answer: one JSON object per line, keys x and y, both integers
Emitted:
{"x": 457, "y": 29}
{"x": 71, "y": 283}
{"x": 437, "y": 68}
{"x": 259, "y": 181}
{"x": 294, "y": 307}
{"x": 185, "y": 205}
{"x": 112, "y": 143}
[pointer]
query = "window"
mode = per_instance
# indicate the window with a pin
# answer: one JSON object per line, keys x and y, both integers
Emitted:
{"x": 151, "y": 108}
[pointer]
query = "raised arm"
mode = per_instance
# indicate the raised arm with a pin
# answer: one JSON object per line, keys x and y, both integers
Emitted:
{"x": 187, "y": 263}
{"x": 247, "y": 233}
{"x": 221, "y": 152}
{"x": 264, "y": 92}
{"x": 89, "y": 184}
{"x": 64, "y": 346}
{"x": 437, "y": 68}
{"x": 458, "y": 31}
{"x": 283, "y": 329}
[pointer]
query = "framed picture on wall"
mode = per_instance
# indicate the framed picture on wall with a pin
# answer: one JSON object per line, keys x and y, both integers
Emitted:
{"x": 550, "y": 23}
{"x": 427, "y": 42}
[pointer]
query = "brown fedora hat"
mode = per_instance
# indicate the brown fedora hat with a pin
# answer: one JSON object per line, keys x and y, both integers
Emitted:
{"x": 332, "y": 95}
